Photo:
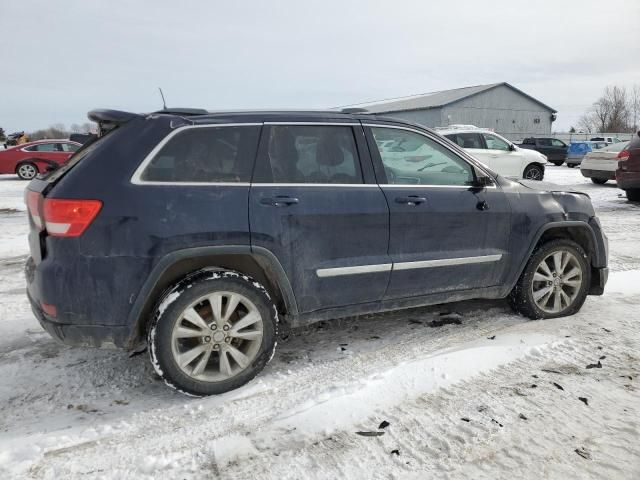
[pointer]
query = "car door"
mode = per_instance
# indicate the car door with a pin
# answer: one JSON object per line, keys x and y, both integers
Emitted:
{"x": 559, "y": 149}
{"x": 544, "y": 147}
{"x": 503, "y": 160}
{"x": 445, "y": 234}
{"x": 315, "y": 205}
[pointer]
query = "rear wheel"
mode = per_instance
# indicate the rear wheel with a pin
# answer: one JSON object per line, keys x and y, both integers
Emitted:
{"x": 213, "y": 334}
{"x": 599, "y": 181}
{"x": 633, "y": 194}
{"x": 533, "y": 172}
{"x": 571, "y": 165}
{"x": 554, "y": 283}
{"x": 27, "y": 171}
{"x": 557, "y": 163}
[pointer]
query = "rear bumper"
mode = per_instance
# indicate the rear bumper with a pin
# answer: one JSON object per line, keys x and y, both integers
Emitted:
{"x": 628, "y": 180}
{"x": 80, "y": 335}
{"x": 592, "y": 173}
{"x": 85, "y": 319}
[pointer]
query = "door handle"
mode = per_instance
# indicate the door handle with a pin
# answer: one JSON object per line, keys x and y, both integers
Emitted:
{"x": 279, "y": 201}
{"x": 411, "y": 200}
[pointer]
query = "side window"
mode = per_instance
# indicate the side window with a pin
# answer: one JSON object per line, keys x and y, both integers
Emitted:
{"x": 205, "y": 154}
{"x": 418, "y": 160}
{"x": 69, "y": 147}
{"x": 310, "y": 154}
{"x": 43, "y": 147}
{"x": 557, "y": 143}
{"x": 495, "y": 143}
{"x": 528, "y": 141}
{"x": 545, "y": 142}
{"x": 466, "y": 140}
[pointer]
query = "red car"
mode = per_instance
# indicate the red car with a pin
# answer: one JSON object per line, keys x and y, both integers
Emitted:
{"x": 628, "y": 172}
{"x": 29, "y": 159}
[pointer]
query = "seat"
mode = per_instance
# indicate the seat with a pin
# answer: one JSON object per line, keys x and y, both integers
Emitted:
{"x": 283, "y": 156}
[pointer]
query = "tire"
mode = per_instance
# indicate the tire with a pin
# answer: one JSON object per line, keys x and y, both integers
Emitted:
{"x": 212, "y": 352}
{"x": 557, "y": 163}
{"x": 633, "y": 194}
{"x": 533, "y": 172}
{"x": 599, "y": 181}
{"x": 533, "y": 279}
{"x": 27, "y": 171}
{"x": 570, "y": 165}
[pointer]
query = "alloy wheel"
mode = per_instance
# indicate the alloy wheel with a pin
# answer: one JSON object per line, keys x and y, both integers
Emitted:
{"x": 27, "y": 171}
{"x": 557, "y": 282}
{"x": 533, "y": 174}
{"x": 217, "y": 337}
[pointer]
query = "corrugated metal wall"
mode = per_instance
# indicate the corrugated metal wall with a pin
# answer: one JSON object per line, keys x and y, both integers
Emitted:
{"x": 500, "y": 109}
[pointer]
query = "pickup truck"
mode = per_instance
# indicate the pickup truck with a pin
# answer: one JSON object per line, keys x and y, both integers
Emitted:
{"x": 554, "y": 149}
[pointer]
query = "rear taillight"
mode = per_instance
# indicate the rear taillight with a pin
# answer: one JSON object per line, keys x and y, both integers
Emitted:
{"x": 69, "y": 218}
{"x": 33, "y": 201}
{"x": 623, "y": 155}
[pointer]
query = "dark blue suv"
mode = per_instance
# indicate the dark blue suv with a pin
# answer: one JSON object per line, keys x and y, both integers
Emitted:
{"x": 199, "y": 232}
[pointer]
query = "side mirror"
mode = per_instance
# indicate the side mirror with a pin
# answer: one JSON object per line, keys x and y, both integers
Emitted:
{"x": 482, "y": 181}
{"x": 512, "y": 147}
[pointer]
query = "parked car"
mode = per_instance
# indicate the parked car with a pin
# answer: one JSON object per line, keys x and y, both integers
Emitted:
{"x": 628, "y": 172}
{"x": 554, "y": 149}
{"x": 577, "y": 151}
{"x": 15, "y": 138}
{"x": 607, "y": 140}
{"x": 498, "y": 153}
{"x": 202, "y": 235}
{"x": 600, "y": 165}
{"x": 31, "y": 158}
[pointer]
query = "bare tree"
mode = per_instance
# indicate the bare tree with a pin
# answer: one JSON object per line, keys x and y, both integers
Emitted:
{"x": 612, "y": 112}
{"x": 588, "y": 122}
{"x": 634, "y": 107}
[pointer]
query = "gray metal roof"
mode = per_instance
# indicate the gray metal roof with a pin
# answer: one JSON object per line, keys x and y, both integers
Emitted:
{"x": 434, "y": 99}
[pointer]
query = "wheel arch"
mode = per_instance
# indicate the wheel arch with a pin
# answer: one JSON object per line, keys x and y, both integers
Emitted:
{"x": 579, "y": 232}
{"x": 32, "y": 161}
{"x": 258, "y": 263}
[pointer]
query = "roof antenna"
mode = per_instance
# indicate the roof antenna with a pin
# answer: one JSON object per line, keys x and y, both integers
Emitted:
{"x": 164, "y": 104}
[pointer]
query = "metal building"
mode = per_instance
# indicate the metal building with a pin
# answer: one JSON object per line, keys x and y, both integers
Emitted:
{"x": 497, "y": 106}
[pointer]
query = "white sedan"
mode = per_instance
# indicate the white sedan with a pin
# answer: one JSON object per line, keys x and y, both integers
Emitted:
{"x": 498, "y": 153}
{"x": 600, "y": 165}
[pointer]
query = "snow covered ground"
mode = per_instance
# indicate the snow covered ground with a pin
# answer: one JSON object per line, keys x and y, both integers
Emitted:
{"x": 489, "y": 395}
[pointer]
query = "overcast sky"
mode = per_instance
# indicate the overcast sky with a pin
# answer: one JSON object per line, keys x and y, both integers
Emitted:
{"x": 63, "y": 58}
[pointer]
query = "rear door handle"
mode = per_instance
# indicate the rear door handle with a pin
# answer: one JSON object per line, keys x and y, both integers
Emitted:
{"x": 279, "y": 201}
{"x": 411, "y": 200}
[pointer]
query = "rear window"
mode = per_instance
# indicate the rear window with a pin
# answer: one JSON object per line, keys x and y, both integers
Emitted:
{"x": 205, "y": 155}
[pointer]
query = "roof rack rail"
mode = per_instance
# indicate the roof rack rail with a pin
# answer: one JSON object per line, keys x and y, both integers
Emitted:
{"x": 184, "y": 111}
{"x": 354, "y": 110}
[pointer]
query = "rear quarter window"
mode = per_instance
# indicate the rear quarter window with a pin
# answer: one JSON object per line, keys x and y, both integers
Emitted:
{"x": 208, "y": 154}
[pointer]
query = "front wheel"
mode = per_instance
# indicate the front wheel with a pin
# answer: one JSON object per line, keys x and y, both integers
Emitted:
{"x": 599, "y": 181}
{"x": 554, "y": 283}
{"x": 533, "y": 172}
{"x": 27, "y": 171}
{"x": 557, "y": 163}
{"x": 213, "y": 333}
